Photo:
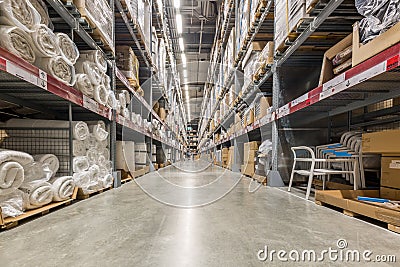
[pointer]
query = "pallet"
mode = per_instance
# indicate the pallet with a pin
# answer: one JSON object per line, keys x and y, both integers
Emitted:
{"x": 96, "y": 34}
{"x": 82, "y": 195}
{"x": 10, "y": 222}
{"x": 391, "y": 227}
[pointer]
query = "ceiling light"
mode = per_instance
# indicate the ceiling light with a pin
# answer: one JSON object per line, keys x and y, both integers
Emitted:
{"x": 181, "y": 44}
{"x": 183, "y": 57}
{"x": 179, "y": 23}
{"x": 177, "y": 3}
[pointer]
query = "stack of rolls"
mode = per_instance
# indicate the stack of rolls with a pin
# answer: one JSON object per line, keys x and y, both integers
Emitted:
{"x": 124, "y": 100}
{"x": 26, "y": 31}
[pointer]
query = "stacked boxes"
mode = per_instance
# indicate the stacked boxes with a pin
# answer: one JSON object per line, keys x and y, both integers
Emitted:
{"x": 225, "y": 157}
{"x": 262, "y": 106}
{"x": 230, "y": 157}
{"x": 140, "y": 155}
{"x": 128, "y": 64}
{"x": 249, "y": 158}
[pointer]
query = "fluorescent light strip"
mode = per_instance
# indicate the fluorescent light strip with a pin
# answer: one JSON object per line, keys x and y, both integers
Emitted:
{"x": 179, "y": 27}
{"x": 181, "y": 44}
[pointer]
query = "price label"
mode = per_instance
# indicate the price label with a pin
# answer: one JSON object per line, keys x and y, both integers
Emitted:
{"x": 299, "y": 100}
{"x": 90, "y": 104}
{"x": 20, "y": 73}
{"x": 42, "y": 79}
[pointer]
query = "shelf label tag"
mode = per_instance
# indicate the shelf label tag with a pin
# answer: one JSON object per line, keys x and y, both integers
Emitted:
{"x": 299, "y": 100}
{"x": 42, "y": 79}
{"x": 20, "y": 73}
{"x": 333, "y": 82}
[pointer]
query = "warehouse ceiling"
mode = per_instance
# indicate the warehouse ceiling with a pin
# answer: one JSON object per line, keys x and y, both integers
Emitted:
{"x": 197, "y": 33}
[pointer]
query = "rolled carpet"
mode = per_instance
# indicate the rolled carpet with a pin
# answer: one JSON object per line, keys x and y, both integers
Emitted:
{"x": 12, "y": 205}
{"x": 36, "y": 194}
{"x": 41, "y": 8}
{"x": 92, "y": 155}
{"x": 90, "y": 142}
{"x": 44, "y": 42}
{"x": 79, "y": 148}
{"x": 19, "y": 13}
{"x": 79, "y": 128}
{"x": 122, "y": 99}
{"x": 106, "y": 153}
{"x": 96, "y": 57}
{"x": 80, "y": 164}
{"x": 111, "y": 100}
{"x": 36, "y": 171}
{"x": 90, "y": 69}
{"x": 107, "y": 180}
{"x": 59, "y": 68}
{"x": 100, "y": 94}
{"x": 82, "y": 179}
{"x": 11, "y": 176}
{"x": 127, "y": 97}
{"x": 106, "y": 81}
{"x": 84, "y": 84}
{"x": 126, "y": 113}
{"x": 62, "y": 187}
{"x": 17, "y": 42}
{"x": 99, "y": 131}
{"x": 50, "y": 159}
{"x": 68, "y": 48}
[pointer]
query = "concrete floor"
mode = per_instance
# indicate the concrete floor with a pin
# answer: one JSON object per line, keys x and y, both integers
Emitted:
{"x": 127, "y": 227}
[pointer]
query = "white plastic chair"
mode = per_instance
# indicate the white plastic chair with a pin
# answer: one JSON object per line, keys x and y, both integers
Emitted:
{"x": 320, "y": 172}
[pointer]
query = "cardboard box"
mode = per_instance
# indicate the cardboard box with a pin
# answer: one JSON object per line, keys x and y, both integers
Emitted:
{"x": 264, "y": 103}
{"x": 249, "y": 156}
{"x": 385, "y": 40}
{"x": 327, "y": 67}
{"x": 390, "y": 172}
{"x": 385, "y": 142}
{"x": 128, "y": 63}
{"x": 247, "y": 169}
{"x": 347, "y": 200}
{"x": 162, "y": 113}
{"x": 252, "y": 145}
{"x": 390, "y": 193}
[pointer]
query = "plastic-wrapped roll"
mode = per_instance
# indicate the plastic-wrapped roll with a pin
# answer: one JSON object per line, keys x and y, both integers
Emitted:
{"x": 82, "y": 179}
{"x": 127, "y": 96}
{"x": 58, "y": 68}
{"x": 111, "y": 100}
{"x": 106, "y": 81}
{"x": 118, "y": 107}
{"x": 99, "y": 131}
{"x": 84, "y": 84}
{"x": 17, "y": 42}
{"x": 100, "y": 94}
{"x": 96, "y": 57}
{"x": 19, "y": 13}
{"x": 12, "y": 205}
{"x": 80, "y": 164}
{"x": 51, "y": 160}
{"x": 41, "y": 8}
{"x": 68, "y": 48}
{"x": 62, "y": 187}
{"x": 91, "y": 70}
{"x": 122, "y": 99}
{"x": 36, "y": 194}
{"x": 45, "y": 42}
{"x": 90, "y": 142}
{"x": 80, "y": 130}
{"x": 92, "y": 155}
{"x": 79, "y": 148}
{"x": 107, "y": 180}
{"x": 126, "y": 113}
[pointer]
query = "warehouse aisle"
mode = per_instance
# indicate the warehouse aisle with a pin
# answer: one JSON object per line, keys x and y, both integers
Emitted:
{"x": 125, "y": 227}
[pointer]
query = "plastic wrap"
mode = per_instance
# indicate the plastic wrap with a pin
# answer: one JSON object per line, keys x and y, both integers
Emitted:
{"x": 92, "y": 155}
{"x": 36, "y": 194}
{"x": 49, "y": 160}
{"x": 58, "y": 68}
{"x": 45, "y": 42}
{"x": 99, "y": 131}
{"x": 111, "y": 100}
{"x": 84, "y": 84}
{"x": 90, "y": 69}
{"x": 80, "y": 164}
{"x": 79, "y": 148}
{"x": 37, "y": 171}
{"x": 94, "y": 56}
{"x": 41, "y": 8}
{"x": 19, "y": 13}
{"x": 68, "y": 48}
{"x": 100, "y": 94}
{"x": 379, "y": 15}
{"x": 17, "y": 42}
{"x": 62, "y": 187}
{"x": 12, "y": 205}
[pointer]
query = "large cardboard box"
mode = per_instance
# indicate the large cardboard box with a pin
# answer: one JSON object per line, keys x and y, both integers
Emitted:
{"x": 247, "y": 169}
{"x": 362, "y": 52}
{"x": 390, "y": 193}
{"x": 327, "y": 66}
{"x": 249, "y": 156}
{"x": 140, "y": 157}
{"x": 390, "y": 176}
{"x": 385, "y": 142}
{"x": 251, "y": 145}
{"x": 264, "y": 103}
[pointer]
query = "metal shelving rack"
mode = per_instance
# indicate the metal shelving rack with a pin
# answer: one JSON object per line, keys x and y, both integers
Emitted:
{"x": 370, "y": 82}
{"x": 27, "y": 86}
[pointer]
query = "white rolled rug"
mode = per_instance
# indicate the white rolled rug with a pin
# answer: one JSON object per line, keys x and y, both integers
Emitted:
{"x": 79, "y": 148}
{"x": 59, "y": 68}
{"x": 84, "y": 84}
{"x": 41, "y": 8}
{"x": 106, "y": 81}
{"x": 11, "y": 176}
{"x": 36, "y": 171}
{"x": 50, "y": 159}
{"x": 126, "y": 113}
{"x": 62, "y": 187}
{"x": 80, "y": 164}
{"x": 90, "y": 142}
{"x": 127, "y": 97}
{"x": 12, "y": 205}
{"x": 82, "y": 179}
{"x": 107, "y": 180}
{"x": 80, "y": 130}
{"x": 36, "y": 194}
{"x": 122, "y": 99}
{"x": 68, "y": 48}
{"x": 99, "y": 130}
{"x": 106, "y": 153}
{"x": 19, "y": 13}
{"x": 96, "y": 57}
{"x": 45, "y": 42}
{"x": 111, "y": 100}
{"x": 90, "y": 69}
{"x": 17, "y": 42}
{"x": 100, "y": 94}
{"x": 92, "y": 155}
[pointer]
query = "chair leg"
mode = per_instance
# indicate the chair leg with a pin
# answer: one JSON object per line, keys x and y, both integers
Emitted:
{"x": 310, "y": 179}
{"x": 291, "y": 176}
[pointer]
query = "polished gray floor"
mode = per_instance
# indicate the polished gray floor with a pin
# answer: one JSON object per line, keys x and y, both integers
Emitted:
{"x": 127, "y": 227}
